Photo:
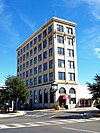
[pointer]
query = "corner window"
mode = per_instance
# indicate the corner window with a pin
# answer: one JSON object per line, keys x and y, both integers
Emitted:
{"x": 60, "y": 28}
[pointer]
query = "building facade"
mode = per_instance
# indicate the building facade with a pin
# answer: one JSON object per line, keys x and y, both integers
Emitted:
{"x": 47, "y": 58}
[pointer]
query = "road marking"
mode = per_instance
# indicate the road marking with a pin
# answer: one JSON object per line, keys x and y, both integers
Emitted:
{"x": 43, "y": 123}
{"x": 80, "y": 130}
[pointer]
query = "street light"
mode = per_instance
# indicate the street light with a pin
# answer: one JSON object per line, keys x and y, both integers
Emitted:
{"x": 54, "y": 88}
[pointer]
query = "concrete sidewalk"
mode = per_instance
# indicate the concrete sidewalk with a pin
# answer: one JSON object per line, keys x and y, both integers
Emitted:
{"x": 9, "y": 115}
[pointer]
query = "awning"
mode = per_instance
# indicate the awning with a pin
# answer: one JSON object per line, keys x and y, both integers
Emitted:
{"x": 64, "y": 97}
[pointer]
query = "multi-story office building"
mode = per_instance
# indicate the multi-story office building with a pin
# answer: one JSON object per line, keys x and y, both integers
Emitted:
{"x": 46, "y": 60}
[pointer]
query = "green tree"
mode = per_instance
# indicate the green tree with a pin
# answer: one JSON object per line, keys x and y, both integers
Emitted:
{"x": 94, "y": 89}
{"x": 16, "y": 90}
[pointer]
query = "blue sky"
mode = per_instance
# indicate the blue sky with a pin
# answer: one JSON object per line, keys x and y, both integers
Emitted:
{"x": 21, "y": 18}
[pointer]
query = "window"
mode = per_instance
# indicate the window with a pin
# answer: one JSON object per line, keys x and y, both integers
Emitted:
{"x": 51, "y": 96}
{"x": 31, "y": 44}
{"x": 51, "y": 64}
{"x": 51, "y": 76}
{"x": 50, "y": 52}
{"x": 45, "y": 67}
{"x": 60, "y": 28}
{"x": 35, "y": 60}
{"x": 23, "y": 66}
{"x": 39, "y": 57}
{"x": 35, "y": 40}
{"x": 45, "y": 77}
{"x": 24, "y": 49}
{"x": 35, "y": 70}
{"x": 23, "y": 74}
{"x": 39, "y": 68}
{"x": 62, "y": 90}
{"x": 39, "y": 37}
{"x": 70, "y": 64}
{"x": 20, "y": 67}
{"x": 17, "y": 69}
{"x": 45, "y": 96}
{"x": 70, "y": 52}
{"x": 61, "y": 51}
{"x": 35, "y": 50}
{"x": 61, "y": 75}
{"x": 50, "y": 40}
{"x": 72, "y": 91}
{"x": 44, "y": 33}
{"x": 40, "y": 96}
{"x": 31, "y": 52}
{"x": 27, "y": 82}
{"x": 31, "y": 62}
{"x": 24, "y": 57}
{"x": 60, "y": 39}
{"x": 31, "y": 81}
{"x": 39, "y": 47}
{"x": 69, "y": 30}
{"x": 45, "y": 55}
{"x": 31, "y": 72}
{"x": 35, "y": 96}
{"x": 35, "y": 81}
{"x": 27, "y": 55}
{"x": 61, "y": 63}
{"x": 40, "y": 79}
{"x": 70, "y": 41}
{"x": 20, "y": 59}
{"x": 26, "y": 73}
{"x": 27, "y": 46}
{"x": 71, "y": 76}
{"x": 27, "y": 64}
{"x": 49, "y": 29}
{"x": 44, "y": 43}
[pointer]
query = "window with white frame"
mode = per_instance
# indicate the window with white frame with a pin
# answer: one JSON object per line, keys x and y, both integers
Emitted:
{"x": 70, "y": 64}
{"x": 71, "y": 76}
{"x": 60, "y": 28}
{"x": 70, "y": 41}
{"x": 61, "y": 63}
{"x": 60, "y": 39}
{"x": 70, "y": 52}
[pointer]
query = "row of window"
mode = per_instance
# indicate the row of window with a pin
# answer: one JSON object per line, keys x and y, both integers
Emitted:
{"x": 60, "y": 28}
{"x": 40, "y": 56}
{"x": 45, "y": 78}
{"x": 60, "y": 51}
{"x": 60, "y": 39}
{"x": 37, "y": 39}
{"x": 39, "y": 94}
{"x": 45, "y": 66}
{"x": 40, "y": 79}
{"x": 61, "y": 64}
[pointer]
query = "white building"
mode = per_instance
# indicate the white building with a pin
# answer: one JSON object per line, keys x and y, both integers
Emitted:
{"x": 84, "y": 97}
{"x": 46, "y": 57}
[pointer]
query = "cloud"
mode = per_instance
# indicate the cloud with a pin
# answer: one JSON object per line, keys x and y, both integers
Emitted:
{"x": 97, "y": 52}
{"x": 90, "y": 40}
{"x": 6, "y": 26}
{"x": 93, "y": 6}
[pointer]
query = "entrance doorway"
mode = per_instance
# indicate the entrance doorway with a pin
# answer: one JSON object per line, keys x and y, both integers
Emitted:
{"x": 62, "y": 97}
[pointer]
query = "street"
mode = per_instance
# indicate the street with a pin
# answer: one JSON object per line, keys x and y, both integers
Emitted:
{"x": 50, "y": 121}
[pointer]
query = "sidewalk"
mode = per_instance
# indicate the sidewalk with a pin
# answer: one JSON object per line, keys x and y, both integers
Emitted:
{"x": 9, "y": 115}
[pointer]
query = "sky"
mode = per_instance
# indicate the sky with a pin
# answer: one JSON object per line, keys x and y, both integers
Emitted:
{"x": 19, "y": 19}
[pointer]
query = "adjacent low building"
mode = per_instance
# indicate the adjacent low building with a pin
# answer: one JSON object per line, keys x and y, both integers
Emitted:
{"x": 47, "y": 63}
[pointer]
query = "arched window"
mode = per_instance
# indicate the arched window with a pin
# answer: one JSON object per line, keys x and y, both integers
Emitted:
{"x": 40, "y": 96}
{"x": 45, "y": 96}
{"x": 62, "y": 90}
{"x": 35, "y": 96}
{"x": 72, "y": 91}
{"x": 51, "y": 96}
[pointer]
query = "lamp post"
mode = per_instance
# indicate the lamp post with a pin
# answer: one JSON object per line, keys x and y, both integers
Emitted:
{"x": 54, "y": 88}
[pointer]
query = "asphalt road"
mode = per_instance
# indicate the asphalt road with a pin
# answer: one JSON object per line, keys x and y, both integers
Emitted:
{"x": 50, "y": 121}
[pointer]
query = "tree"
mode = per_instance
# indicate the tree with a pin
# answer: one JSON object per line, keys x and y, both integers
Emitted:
{"x": 16, "y": 90}
{"x": 94, "y": 89}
